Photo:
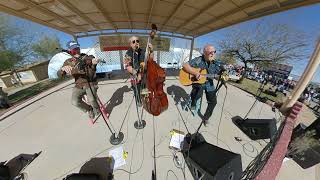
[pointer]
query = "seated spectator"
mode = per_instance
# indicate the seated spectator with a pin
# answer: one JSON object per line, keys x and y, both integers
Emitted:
{"x": 4, "y": 101}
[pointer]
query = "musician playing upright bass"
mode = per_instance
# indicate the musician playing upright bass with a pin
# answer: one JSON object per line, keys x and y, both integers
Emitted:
{"x": 133, "y": 61}
{"x": 206, "y": 61}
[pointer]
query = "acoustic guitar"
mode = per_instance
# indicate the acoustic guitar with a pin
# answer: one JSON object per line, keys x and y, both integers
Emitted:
{"x": 188, "y": 79}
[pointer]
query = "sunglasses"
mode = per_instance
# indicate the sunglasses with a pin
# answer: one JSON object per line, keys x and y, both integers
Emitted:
{"x": 135, "y": 41}
{"x": 212, "y": 52}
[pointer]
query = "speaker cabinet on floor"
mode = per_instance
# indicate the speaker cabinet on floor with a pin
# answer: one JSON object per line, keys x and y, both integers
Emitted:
{"x": 304, "y": 147}
{"x": 256, "y": 128}
{"x": 209, "y": 162}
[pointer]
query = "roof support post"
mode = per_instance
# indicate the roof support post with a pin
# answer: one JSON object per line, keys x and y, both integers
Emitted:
{"x": 158, "y": 56}
{"x": 191, "y": 49}
{"x": 75, "y": 38}
{"x": 121, "y": 60}
{"x": 304, "y": 79}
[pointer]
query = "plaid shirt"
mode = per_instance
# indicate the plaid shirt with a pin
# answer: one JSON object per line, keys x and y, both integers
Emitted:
{"x": 212, "y": 68}
{"x": 135, "y": 58}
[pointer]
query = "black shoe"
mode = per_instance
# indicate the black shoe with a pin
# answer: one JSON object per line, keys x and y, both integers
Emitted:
{"x": 192, "y": 108}
{"x": 204, "y": 119}
{"x": 91, "y": 114}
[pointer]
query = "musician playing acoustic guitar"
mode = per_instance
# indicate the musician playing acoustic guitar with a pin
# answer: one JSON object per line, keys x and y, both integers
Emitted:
{"x": 133, "y": 61}
{"x": 207, "y": 62}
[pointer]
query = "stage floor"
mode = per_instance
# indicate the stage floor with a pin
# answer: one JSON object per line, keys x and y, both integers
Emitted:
{"x": 70, "y": 144}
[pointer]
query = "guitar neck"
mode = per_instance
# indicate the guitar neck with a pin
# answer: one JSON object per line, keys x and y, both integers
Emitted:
{"x": 209, "y": 75}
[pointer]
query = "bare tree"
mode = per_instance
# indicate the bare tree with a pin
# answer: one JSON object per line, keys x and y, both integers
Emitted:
{"x": 277, "y": 43}
{"x": 227, "y": 58}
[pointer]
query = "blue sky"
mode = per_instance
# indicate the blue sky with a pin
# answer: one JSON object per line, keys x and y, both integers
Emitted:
{"x": 306, "y": 19}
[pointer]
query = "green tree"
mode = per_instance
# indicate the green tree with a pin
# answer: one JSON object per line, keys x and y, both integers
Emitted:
{"x": 8, "y": 59}
{"x": 46, "y": 47}
{"x": 14, "y": 44}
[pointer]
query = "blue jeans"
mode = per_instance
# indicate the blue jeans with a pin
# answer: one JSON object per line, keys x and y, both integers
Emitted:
{"x": 196, "y": 93}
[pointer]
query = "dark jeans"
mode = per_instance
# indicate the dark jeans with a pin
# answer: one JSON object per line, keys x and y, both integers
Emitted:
{"x": 196, "y": 93}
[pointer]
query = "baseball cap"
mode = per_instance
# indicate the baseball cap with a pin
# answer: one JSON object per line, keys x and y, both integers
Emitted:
{"x": 72, "y": 45}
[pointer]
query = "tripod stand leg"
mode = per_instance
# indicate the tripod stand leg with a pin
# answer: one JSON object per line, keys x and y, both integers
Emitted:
{"x": 140, "y": 123}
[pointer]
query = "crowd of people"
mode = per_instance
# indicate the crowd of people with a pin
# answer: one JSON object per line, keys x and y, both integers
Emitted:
{"x": 308, "y": 94}
{"x": 279, "y": 84}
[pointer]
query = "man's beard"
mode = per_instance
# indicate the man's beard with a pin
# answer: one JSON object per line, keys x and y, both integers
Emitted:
{"x": 211, "y": 58}
{"x": 136, "y": 47}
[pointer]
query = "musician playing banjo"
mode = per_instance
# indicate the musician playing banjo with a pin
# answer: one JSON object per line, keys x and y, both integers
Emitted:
{"x": 133, "y": 61}
{"x": 206, "y": 61}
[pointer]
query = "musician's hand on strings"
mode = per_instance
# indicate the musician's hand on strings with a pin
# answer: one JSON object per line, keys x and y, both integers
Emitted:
{"x": 150, "y": 47}
{"x": 67, "y": 69}
{"x": 198, "y": 76}
{"x": 127, "y": 60}
{"x": 139, "y": 77}
{"x": 134, "y": 72}
{"x": 95, "y": 61}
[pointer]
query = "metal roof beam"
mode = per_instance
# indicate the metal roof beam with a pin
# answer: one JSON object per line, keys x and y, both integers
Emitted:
{"x": 78, "y": 12}
{"x": 198, "y": 14}
{"x": 48, "y": 12}
{"x": 277, "y": 3}
{"x": 150, "y": 13}
{"x": 238, "y": 6}
{"x": 104, "y": 12}
{"x": 129, "y": 33}
{"x": 28, "y": 17}
{"x": 233, "y": 11}
{"x": 176, "y": 10}
{"x": 125, "y": 7}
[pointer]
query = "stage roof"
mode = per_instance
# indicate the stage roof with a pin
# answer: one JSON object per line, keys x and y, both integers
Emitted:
{"x": 186, "y": 17}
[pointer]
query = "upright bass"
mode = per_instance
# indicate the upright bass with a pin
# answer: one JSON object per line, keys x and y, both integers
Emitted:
{"x": 154, "y": 99}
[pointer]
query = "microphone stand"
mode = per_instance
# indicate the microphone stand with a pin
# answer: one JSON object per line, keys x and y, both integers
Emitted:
{"x": 140, "y": 123}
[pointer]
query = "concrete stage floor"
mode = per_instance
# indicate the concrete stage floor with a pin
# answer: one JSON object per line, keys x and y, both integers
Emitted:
{"x": 49, "y": 123}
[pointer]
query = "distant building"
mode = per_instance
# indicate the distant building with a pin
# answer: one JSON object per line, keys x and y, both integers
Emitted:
{"x": 113, "y": 59}
{"x": 28, "y": 74}
{"x": 279, "y": 70}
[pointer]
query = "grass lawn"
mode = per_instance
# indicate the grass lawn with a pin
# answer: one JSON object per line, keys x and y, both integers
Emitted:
{"x": 252, "y": 87}
{"x": 33, "y": 90}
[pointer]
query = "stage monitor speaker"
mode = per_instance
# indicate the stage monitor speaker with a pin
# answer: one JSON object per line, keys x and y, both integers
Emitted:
{"x": 305, "y": 145}
{"x": 209, "y": 162}
{"x": 256, "y": 128}
{"x": 77, "y": 176}
{"x": 307, "y": 158}
{"x": 298, "y": 130}
{"x": 4, "y": 172}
